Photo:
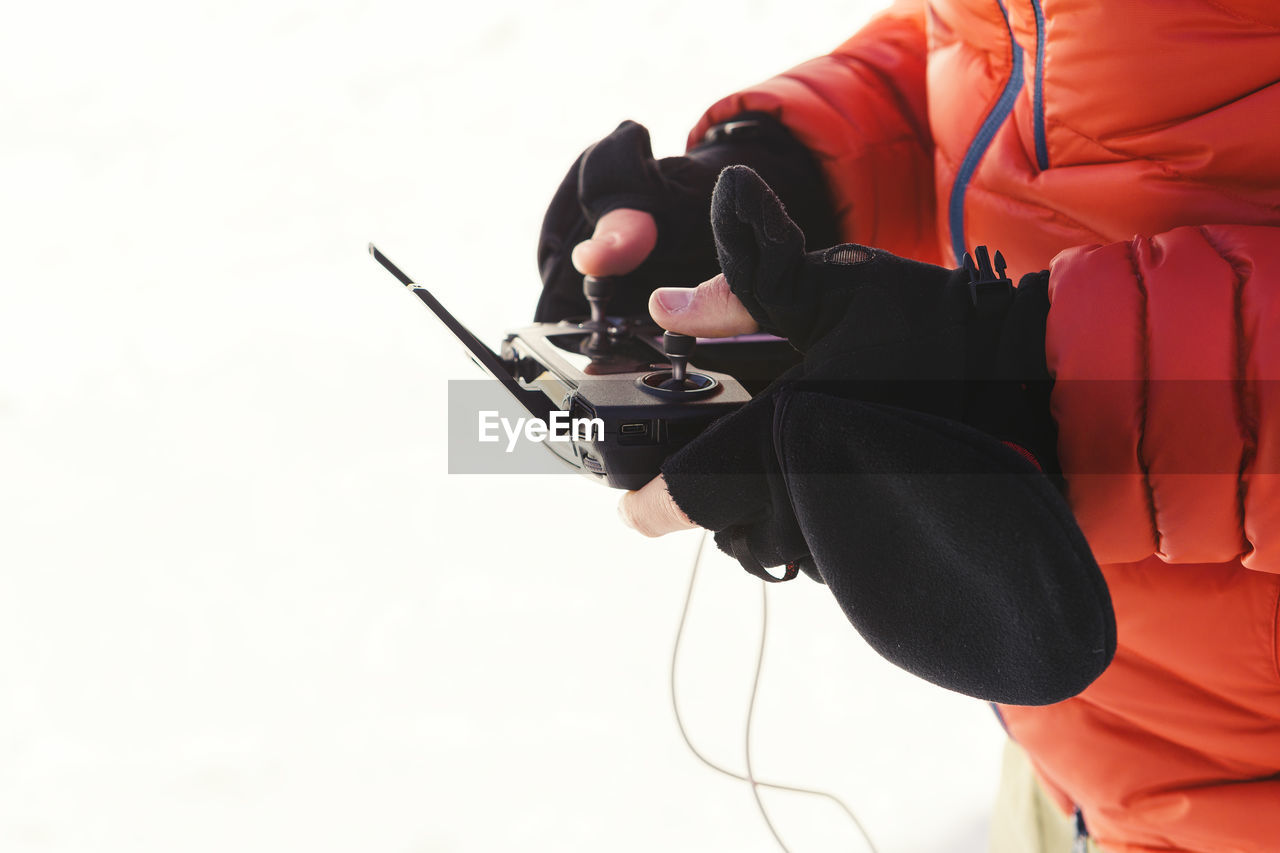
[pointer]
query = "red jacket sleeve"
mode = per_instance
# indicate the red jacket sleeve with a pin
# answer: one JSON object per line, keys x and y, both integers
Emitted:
{"x": 861, "y": 110}
{"x": 1165, "y": 353}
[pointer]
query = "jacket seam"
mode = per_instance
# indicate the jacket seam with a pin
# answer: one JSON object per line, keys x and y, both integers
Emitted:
{"x": 1234, "y": 13}
{"x": 1183, "y": 680}
{"x": 1057, "y": 214}
{"x": 854, "y": 152}
{"x": 822, "y": 97}
{"x": 848, "y": 119}
{"x": 859, "y": 148}
{"x": 848, "y": 208}
{"x": 1275, "y": 636}
{"x": 920, "y": 130}
{"x": 1165, "y": 169}
{"x": 1157, "y": 126}
{"x": 1144, "y": 399}
{"x": 1245, "y": 403}
{"x": 863, "y": 148}
{"x": 842, "y": 209}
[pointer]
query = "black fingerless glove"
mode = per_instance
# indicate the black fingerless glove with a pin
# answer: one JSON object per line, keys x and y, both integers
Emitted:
{"x": 620, "y": 171}
{"x": 901, "y": 463}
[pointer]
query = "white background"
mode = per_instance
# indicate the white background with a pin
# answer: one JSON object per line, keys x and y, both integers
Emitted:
{"x": 242, "y": 605}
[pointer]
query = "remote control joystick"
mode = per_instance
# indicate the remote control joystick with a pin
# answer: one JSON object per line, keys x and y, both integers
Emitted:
{"x": 598, "y": 290}
{"x": 548, "y": 372}
{"x": 678, "y": 382}
{"x": 677, "y": 348}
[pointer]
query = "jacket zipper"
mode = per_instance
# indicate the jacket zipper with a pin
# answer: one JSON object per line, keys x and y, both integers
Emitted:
{"x": 1037, "y": 96}
{"x": 1081, "y": 844}
{"x": 978, "y": 147}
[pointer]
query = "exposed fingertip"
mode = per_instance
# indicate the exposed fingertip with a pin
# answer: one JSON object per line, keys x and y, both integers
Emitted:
{"x": 590, "y": 256}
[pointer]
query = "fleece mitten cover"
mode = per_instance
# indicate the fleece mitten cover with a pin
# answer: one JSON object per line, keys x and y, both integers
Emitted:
{"x": 882, "y": 463}
{"x": 620, "y": 171}
{"x": 952, "y": 556}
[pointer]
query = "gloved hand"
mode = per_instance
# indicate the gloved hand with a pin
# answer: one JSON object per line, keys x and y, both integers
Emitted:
{"x": 963, "y": 344}
{"x": 621, "y": 212}
{"x": 880, "y": 464}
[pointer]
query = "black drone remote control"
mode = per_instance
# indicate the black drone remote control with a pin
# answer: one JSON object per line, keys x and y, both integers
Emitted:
{"x": 636, "y": 383}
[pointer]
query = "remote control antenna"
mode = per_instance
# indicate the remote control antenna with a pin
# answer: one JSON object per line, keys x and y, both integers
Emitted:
{"x": 390, "y": 267}
{"x": 535, "y": 402}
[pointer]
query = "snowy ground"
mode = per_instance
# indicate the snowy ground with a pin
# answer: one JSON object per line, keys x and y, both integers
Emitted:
{"x": 242, "y": 605}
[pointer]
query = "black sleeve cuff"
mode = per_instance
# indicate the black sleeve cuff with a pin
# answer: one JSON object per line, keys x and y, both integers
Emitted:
{"x": 789, "y": 168}
{"x": 728, "y": 481}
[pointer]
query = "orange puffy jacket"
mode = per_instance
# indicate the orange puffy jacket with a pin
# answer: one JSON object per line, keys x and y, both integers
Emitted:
{"x": 1056, "y": 130}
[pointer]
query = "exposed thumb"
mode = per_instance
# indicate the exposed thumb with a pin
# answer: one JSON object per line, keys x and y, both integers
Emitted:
{"x": 709, "y": 310}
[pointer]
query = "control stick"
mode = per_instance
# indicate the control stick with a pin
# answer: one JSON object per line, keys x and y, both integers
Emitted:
{"x": 677, "y": 348}
{"x": 678, "y": 382}
{"x": 598, "y": 290}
